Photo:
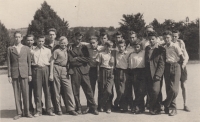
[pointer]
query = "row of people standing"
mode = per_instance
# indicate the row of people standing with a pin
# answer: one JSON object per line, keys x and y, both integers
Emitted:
{"x": 52, "y": 66}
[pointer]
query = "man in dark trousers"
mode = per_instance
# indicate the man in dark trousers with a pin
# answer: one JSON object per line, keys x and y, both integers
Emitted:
{"x": 19, "y": 73}
{"x": 154, "y": 65}
{"x": 79, "y": 70}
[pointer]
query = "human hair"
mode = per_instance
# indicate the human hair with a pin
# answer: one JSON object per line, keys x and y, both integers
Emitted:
{"x": 121, "y": 42}
{"x": 78, "y": 34}
{"x": 109, "y": 43}
{"x": 149, "y": 26}
{"x": 167, "y": 32}
{"x": 132, "y": 32}
{"x": 152, "y": 34}
{"x": 118, "y": 33}
{"x": 52, "y": 29}
{"x": 63, "y": 38}
{"x": 41, "y": 37}
{"x": 17, "y": 32}
{"x": 29, "y": 35}
{"x": 176, "y": 31}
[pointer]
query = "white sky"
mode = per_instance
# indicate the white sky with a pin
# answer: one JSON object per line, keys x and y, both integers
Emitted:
{"x": 97, "y": 13}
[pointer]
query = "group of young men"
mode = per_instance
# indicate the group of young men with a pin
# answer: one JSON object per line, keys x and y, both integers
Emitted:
{"x": 136, "y": 69}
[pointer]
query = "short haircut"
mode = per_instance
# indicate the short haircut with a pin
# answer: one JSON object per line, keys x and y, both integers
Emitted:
{"x": 118, "y": 33}
{"x": 78, "y": 34}
{"x": 132, "y": 32}
{"x": 63, "y": 38}
{"x": 52, "y": 29}
{"x": 103, "y": 34}
{"x": 121, "y": 42}
{"x": 41, "y": 37}
{"x": 176, "y": 31}
{"x": 93, "y": 37}
{"x": 29, "y": 35}
{"x": 152, "y": 34}
{"x": 17, "y": 32}
{"x": 149, "y": 26}
{"x": 167, "y": 32}
{"x": 109, "y": 43}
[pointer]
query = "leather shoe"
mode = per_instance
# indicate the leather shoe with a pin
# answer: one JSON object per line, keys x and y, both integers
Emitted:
{"x": 50, "y": 114}
{"x": 37, "y": 114}
{"x": 17, "y": 117}
{"x": 29, "y": 116}
{"x": 79, "y": 111}
{"x": 73, "y": 113}
{"x": 186, "y": 109}
{"x": 86, "y": 111}
{"x": 166, "y": 110}
{"x": 95, "y": 112}
{"x": 173, "y": 112}
{"x": 108, "y": 111}
{"x": 59, "y": 113}
{"x": 101, "y": 110}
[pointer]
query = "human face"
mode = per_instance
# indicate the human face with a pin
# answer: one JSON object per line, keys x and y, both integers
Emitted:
{"x": 29, "y": 41}
{"x": 78, "y": 40}
{"x": 18, "y": 38}
{"x": 137, "y": 48}
{"x": 152, "y": 40}
{"x": 167, "y": 39}
{"x": 40, "y": 42}
{"x": 93, "y": 43}
{"x": 63, "y": 44}
{"x": 119, "y": 38}
{"x": 121, "y": 47}
{"x": 133, "y": 38}
{"x": 109, "y": 48}
{"x": 104, "y": 39}
{"x": 52, "y": 35}
{"x": 175, "y": 37}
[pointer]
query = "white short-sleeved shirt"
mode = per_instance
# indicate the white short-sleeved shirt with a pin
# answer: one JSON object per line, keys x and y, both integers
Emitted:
{"x": 136, "y": 60}
{"x": 41, "y": 56}
{"x": 122, "y": 60}
{"x": 173, "y": 52}
{"x": 104, "y": 59}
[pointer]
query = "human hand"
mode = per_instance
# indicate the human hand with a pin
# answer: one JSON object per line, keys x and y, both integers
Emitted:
{"x": 29, "y": 78}
{"x": 9, "y": 79}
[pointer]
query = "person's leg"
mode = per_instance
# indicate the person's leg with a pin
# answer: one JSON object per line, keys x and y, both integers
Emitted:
{"x": 37, "y": 75}
{"x": 17, "y": 94}
{"x": 57, "y": 89}
{"x": 117, "y": 87}
{"x": 184, "y": 88}
{"x": 93, "y": 78}
{"x": 76, "y": 80}
{"x": 100, "y": 87}
{"x": 46, "y": 89}
{"x": 25, "y": 94}
{"x": 31, "y": 109}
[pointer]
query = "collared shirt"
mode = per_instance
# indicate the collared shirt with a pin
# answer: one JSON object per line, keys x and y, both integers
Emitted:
{"x": 60, "y": 56}
{"x": 94, "y": 55}
{"x": 104, "y": 59}
{"x": 173, "y": 52}
{"x": 183, "y": 49}
{"x": 151, "y": 49}
{"x": 18, "y": 47}
{"x": 31, "y": 49}
{"x": 136, "y": 60}
{"x": 130, "y": 49}
{"x": 122, "y": 60}
{"x": 41, "y": 56}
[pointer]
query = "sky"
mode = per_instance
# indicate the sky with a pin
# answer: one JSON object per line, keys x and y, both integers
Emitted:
{"x": 98, "y": 13}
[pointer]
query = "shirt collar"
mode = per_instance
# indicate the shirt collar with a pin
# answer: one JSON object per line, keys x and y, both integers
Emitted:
{"x": 39, "y": 48}
{"x": 19, "y": 45}
{"x": 155, "y": 46}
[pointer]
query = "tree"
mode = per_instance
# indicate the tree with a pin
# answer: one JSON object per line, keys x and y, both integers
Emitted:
{"x": 4, "y": 43}
{"x": 157, "y": 26}
{"x": 46, "y": 18}
{"x": 132, "y": 22}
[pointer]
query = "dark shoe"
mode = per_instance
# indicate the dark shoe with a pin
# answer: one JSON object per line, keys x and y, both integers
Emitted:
{"x": 79, "y": 111}
{"x": 108, "y": 111}
{"x": 17, "y": 117}
{"x": 86, "y": 111}
{"x": 29, "y": 116}
{"x": 123, "y": 110}
{"x": 59, "y": 113}
{"x": 173, "y": 112}
{"x": 44, "y": 111}
{"x": 51, "y": 114}
{"x": 152, "y": 112}
{"x": 37, "y": 114}
{"x": 186, "y": 109}
{"x": 166, "y": 110}
{"x": 95, "y": 112}
{"x": 73, "y": 113}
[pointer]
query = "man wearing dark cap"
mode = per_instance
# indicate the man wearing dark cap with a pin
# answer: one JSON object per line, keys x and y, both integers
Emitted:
{"x": 79, "y": 71}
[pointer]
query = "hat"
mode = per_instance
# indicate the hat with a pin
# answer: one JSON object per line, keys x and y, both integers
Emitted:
{"x": 52, "y": 29}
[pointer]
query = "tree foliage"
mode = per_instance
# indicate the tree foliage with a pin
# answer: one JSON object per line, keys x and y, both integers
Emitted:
{"x": 46, "y": 18}
{"x": 4, "y": 43}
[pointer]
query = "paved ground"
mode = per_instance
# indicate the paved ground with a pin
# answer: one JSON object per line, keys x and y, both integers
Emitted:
{"x": 7, "y": 107}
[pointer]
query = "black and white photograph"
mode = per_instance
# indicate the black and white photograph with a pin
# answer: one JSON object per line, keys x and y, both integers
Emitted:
{"x": 99, "y": 60}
